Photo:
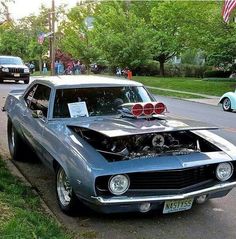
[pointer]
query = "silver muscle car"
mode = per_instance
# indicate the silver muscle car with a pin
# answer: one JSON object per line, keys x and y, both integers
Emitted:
{"x": 113, "y": 149}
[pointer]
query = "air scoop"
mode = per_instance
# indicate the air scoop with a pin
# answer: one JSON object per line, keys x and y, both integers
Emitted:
{"x": 141, "y": 109}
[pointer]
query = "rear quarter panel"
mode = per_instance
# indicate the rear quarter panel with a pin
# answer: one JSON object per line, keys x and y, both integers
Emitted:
{"x": 12, "y": 105}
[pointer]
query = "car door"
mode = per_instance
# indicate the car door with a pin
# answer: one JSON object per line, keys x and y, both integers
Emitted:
{"x": 34, "y": 115}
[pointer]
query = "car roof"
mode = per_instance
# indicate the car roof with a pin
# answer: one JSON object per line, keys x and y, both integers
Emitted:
{"x": 2, "y": 56}
{"x": 83, "y": 81}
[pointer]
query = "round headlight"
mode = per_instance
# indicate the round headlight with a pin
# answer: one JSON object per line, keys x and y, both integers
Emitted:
{"x": 5, "y": 69}
{"x": 118, "y": 184}
{"x": 224, "y": 171}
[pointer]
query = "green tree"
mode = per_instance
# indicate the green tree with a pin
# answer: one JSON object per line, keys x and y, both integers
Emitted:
{"x": 13, "y": 41}
{"x": 121, "y": 35}
{"x": 76, "y": 37}
{"x": 21, "y": 38}
{"x": 178, "y": 26}
{"x": 221, "y": 45}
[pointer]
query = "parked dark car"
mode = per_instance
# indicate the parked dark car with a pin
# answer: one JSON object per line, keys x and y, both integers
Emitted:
{"x": 98, "y": 69}
{"x": 112, "y": 148}
{"x": 13, "y": 68}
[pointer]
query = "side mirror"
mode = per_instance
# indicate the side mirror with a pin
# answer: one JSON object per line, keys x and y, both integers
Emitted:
{"x": 37, "y": 114}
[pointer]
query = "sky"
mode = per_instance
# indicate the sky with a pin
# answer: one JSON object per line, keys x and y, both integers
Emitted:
{"x": 22, "y": 8}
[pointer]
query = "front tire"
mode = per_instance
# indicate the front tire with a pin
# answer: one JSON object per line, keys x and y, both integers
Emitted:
{"x": 66, "y": 197}
{"x": 26, "y": 81}
{"x": 15, "y": 143}
{"x": 226, "y": 104}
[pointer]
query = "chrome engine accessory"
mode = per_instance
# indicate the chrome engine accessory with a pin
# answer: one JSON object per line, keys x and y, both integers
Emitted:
{"x": 158, "y": 140}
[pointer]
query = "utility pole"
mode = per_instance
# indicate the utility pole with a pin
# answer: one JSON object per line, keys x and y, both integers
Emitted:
{"x": 52, "y": 41}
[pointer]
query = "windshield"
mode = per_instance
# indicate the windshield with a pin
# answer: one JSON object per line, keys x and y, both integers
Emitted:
{"x": 99, "y": 101}
{"x": 11, "y": 61}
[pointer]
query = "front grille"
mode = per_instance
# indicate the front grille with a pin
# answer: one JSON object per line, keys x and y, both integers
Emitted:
{"x": 16, "y": 70}
{"x": 175, "y": 179}
{"x": 160, "y": 180}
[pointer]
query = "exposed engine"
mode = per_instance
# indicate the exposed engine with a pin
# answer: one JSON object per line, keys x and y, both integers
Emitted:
{"x": 146, "y": 145}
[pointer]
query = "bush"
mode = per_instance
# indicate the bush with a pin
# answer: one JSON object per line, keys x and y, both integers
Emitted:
{"x": 216, "y": 74}
{"x": 150, "y": 69}
{"x": 186, "y": 70}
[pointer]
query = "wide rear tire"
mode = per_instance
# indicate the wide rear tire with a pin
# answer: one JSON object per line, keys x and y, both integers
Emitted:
{"x": 15, "y": 143}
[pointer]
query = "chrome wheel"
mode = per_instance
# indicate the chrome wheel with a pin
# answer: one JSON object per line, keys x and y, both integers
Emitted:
{"x": 226, "y": 105}
{"x": 18, "y": 149}
{"x": 64, "y": 189}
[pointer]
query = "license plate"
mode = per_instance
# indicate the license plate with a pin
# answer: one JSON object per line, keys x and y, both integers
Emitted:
{"x": 177, "y": 205}
{"x": 17, "y": 74}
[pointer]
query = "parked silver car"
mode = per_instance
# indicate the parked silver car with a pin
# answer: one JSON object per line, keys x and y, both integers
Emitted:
{"x": 112, "y": 148}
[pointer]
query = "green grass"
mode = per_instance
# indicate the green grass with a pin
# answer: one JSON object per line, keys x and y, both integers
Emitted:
{"x": 37, "y": 73}
{"x": 21, "y": 214}
{"x": 220, "y": 79}
{"x": 195, "y": 85}
{"x": 174, "y": 94}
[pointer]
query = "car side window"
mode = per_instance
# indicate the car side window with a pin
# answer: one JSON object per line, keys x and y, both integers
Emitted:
{"x": 29, "y": 96}
{"x": 38, "y": 98}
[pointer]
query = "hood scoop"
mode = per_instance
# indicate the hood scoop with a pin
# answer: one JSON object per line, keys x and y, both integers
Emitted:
{"x": 142, "y": 110}
{"x": 114, "y": 127}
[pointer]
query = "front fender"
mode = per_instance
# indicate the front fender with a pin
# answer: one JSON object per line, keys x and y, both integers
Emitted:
{"x": 76, "y": 157}
{"x": 231, "y": 96}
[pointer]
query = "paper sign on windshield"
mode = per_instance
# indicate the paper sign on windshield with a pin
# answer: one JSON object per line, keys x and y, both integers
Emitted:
{"x": 78, "y": 109}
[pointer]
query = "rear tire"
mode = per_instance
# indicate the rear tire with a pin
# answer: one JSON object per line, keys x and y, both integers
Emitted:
{"x": 15, "y": 143}
{"x": 226, "y": 104}
{"x": 66, "y": 197}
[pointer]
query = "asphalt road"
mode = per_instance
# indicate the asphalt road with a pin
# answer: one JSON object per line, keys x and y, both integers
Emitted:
{"x": 214, "y": 219}
{"x": 213, "y": 115}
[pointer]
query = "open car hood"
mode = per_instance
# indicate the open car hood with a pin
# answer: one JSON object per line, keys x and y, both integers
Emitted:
{"x": 114, "y": 127}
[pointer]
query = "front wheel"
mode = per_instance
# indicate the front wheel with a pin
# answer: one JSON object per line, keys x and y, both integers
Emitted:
{"x": 66, "y": 197}
{"x": 26, "y": 81}
{"x": 226, "y": 104}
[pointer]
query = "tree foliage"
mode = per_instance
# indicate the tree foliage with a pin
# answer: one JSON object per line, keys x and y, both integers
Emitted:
{"x": 76, "y": 38}
{"x": 127, "y": 33}
{"x": 121, "y": 35}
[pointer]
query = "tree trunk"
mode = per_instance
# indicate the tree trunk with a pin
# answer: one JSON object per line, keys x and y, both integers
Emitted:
{"x": 162, "y": 69}
{"x": 40, "y": 65}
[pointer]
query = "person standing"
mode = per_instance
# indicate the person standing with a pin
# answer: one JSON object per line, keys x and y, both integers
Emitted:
{"x": 45, "y": 69}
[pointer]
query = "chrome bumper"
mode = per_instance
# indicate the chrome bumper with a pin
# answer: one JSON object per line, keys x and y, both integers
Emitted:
{"x": 124, "y": 199}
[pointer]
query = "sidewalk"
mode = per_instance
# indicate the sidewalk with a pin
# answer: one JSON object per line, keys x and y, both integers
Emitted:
{"x": 208, "y": 99}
